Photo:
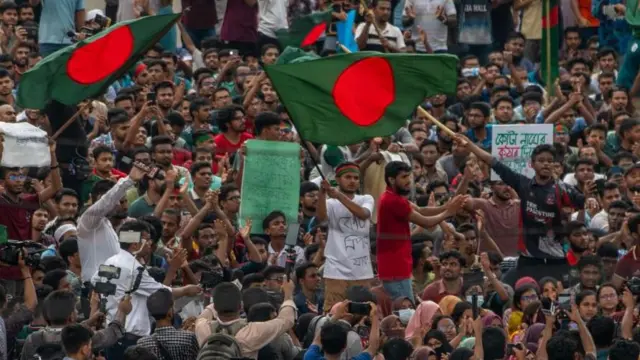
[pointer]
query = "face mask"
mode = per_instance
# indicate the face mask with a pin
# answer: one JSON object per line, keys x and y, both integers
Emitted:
{"x": 405, "y": 315}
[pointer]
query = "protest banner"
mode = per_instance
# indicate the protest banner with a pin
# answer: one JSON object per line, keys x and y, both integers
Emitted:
{"x": 270, "y": 181}
{"x": 513, "y": 144}
{"x": 24, "y": 145}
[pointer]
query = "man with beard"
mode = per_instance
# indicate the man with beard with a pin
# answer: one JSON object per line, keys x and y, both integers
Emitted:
{"x": 97, "y": 239}
{"x": 541, "y": 216}
{"x": 146, "y": 204}
{"x": 578, "y": 240}
{"x": 38, "y": 223}
{"x": 478, "y": 117}
{"x": 308, "y": 203}
{"x": 202, "y": 176}
{"x": 103, "y": 170}
{"x": 393, "y": 233}
{"x": 347, "y": 249}
{"x": 231, "y": 122}
{"x": 450, "y": 283}
{"x": 20, "y": 54}
{"x": 500, "y": 217}
{"x": 589, "y": 269}
{"x": 162, "y": 154}
{"x": 376, "y": 20}
{"x": 165, "y": 94}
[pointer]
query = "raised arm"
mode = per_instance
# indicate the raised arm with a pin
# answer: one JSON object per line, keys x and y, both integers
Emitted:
{"x": 56, "y": 181}
{"x": 427, "y": 222}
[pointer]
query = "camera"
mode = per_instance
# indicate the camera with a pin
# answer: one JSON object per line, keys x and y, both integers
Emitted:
{"x": 11, "y": 250}
{"x": 108, "y": 272}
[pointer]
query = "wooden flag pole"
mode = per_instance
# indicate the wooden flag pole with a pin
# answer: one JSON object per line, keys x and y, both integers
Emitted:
{"x": 421, "y": 110}
{"x": 70, "y": 121}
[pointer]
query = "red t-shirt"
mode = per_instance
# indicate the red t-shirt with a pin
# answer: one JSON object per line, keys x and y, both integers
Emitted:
{"x": 629, "y": 265}
{"x": 17, "y": 218}
{"x": 224, "y": 146}
{"x": 393, "y": 237}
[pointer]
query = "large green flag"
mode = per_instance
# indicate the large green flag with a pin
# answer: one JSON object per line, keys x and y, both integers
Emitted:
{"x": 549, "y": 70}
{"x": 344, "y": 99}
{"x": 89, "y": 67}
{"x": 304, "y": 31}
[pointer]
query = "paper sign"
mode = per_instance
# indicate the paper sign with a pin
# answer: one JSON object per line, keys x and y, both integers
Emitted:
{"x": 24, "y": 146}
{"x": 270, "y": 181}
{"x": 513, "y": 145}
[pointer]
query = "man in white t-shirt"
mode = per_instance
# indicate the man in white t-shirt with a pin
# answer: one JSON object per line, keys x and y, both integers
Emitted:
{"x": 434, "y": 17}
{"x": 390, "y": 38}
{"x": 347, "y": 252}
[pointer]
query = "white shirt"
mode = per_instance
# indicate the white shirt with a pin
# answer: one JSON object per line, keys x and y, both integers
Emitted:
{"x": 272, "y": 16}
{"x": 426, "y": 19}
{"x": 97, "y": 240}
{"x": 137, "y": 321}
{"x": 348, "y": 251}
{"x": 600, "y": 221}
{"x": 391, "y": 33}
{"x": 281, "y": 258}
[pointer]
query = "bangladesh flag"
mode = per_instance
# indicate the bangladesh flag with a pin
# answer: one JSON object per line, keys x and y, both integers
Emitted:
{"x": 305, "y": 30}
{"x": 549, "y": 70}
{"x": 344, "y": 99}
{"x": 87, "y": 68}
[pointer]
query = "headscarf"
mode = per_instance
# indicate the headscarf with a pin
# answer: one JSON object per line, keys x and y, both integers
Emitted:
{"x": 397, "y": 303}
{"x": 422, "y": 318}
{"x": 488, "y": 319}
{"x": 63, "y": 229}
{"x": 533, "y": 334}
{"x": 448, "y": 303}
{"x": 388, "y": 327}
{"x": 527, "y": 280}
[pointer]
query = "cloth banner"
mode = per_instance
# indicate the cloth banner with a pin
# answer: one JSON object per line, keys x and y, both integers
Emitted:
{"x": 513, "y": 144}
{"x": 24, "y": 145}
{"x": 270, "y": 181}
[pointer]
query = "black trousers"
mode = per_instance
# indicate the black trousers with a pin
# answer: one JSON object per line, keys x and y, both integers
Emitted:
{"x": 116, "y": 352}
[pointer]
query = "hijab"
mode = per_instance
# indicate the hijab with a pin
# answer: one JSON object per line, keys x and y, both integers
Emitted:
{"x": 422, "y": 318}
{"x": 448, "y": 303}
{"x": 389, "y": 328}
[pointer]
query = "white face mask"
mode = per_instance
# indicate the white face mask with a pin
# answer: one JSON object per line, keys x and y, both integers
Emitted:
{"x": 405, "y": 315}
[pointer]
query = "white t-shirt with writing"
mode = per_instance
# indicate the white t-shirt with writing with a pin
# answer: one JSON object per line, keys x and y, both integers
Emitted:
{"x": 348, "y": 252}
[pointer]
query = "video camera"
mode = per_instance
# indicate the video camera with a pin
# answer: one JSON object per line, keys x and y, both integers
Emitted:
{"x": 108, "y": 272}
{"x": 10, "y": 252}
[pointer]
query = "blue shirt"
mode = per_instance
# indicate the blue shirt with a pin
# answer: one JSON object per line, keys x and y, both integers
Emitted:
{"x": 57, "y": 19}
{"x": 486, "y": 143}
{"x": 315, "y": 353}
{"x": 301, "y": 302}
{"x": 578, "y": 126}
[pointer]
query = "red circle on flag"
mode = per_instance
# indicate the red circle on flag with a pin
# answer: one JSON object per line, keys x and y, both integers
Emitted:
{"x": 313, "y": 35}
{"x": 98, "y": 59}
{"x": 364, "y": 90}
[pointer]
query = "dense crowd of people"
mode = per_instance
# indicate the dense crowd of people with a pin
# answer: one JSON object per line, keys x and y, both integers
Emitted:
{"x": 130, "y": 245}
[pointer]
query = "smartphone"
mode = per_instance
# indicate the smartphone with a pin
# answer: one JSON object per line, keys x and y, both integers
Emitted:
{"x": 292, "y": 235}
{"x": 234, "y": 52}
{"x": 130, "y": 237}
{"x": 109, "y": 271}
{"x": 357, "y": 308}
{"x": 474, "y": 305}
{"x": 600, "y": 185}
{"x": 151, "y": 96}
{"x": 473, "y": 278}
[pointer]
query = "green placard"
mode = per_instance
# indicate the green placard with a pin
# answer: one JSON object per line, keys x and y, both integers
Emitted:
{"x": 270, "y": 181}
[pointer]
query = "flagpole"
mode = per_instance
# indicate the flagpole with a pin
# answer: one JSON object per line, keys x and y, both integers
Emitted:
{"x": 547, "y": 31}
{"x": 70, "y": 121}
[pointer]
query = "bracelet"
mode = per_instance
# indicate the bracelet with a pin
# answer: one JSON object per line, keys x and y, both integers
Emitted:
{"x": 57, "y": 166}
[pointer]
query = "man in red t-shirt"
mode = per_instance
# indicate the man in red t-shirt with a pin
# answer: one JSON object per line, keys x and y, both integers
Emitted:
{"x": 395, "y": 213}
{"x": 233, "y": 135}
